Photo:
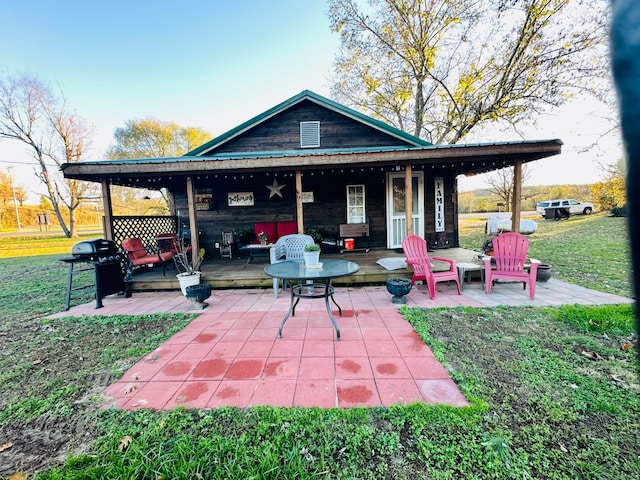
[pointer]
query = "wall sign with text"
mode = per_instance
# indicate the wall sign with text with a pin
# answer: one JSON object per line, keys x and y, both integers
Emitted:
{"x": 439, "y": 203}
{"x": 240, "y": 199}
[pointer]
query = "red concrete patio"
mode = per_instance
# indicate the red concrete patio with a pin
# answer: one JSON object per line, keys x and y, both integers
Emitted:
{"x": 230, "y": 354}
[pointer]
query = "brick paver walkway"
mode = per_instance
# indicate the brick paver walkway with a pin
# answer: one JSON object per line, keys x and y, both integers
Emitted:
{"x": 230, "y": 354}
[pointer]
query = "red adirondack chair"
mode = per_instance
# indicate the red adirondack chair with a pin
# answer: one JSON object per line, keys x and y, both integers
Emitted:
{"x": 510, "y": 254}
{"x": 415, "y": 249}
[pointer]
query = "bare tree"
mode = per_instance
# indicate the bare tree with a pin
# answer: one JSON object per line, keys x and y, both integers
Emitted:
{"x": 30, "y": 113}
{"x": 501, "y": 185}
{"x": 440, "y": 68}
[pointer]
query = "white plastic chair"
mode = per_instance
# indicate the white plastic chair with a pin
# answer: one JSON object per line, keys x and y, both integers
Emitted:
{"x": 288, "y": 247}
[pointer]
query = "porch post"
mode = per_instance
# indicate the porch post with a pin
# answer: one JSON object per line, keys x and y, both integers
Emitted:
{"x": 408, "y": 199}
{"x": 516, "y": 199}
{"x": 193, "y": 221}
{"x": 299, "y": 212}
{"x": 107, "y": 227}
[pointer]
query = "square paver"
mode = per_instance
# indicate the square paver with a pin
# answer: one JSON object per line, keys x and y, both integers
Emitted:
{"x": 357, "y": 393}
{"x": 317, "y": 368}
{"x": 193, "y": 394}
{"x": 353, "y": 368}
{"x": 278, "y": 392}
{"x": 315, "y": 393}
{"x": 398, "y": 391}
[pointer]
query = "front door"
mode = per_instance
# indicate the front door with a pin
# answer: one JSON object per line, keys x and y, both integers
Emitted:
{"x": 396, "y": 220}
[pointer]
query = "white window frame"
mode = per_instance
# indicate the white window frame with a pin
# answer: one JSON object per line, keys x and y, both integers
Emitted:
{"x": 309, "y": 134}
{"x": 361, "y": 207}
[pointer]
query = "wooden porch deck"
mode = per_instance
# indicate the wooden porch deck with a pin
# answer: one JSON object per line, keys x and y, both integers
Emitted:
{"x": 236, "y": 273}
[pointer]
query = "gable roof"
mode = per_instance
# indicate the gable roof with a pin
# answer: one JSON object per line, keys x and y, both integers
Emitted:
{"x": 306, "y": 95}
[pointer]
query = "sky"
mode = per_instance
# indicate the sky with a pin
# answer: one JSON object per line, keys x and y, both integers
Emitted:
{"x": 213, "y": 65}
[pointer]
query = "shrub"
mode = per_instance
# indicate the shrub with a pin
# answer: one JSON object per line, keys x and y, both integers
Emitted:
{"x": 622, "y": 211}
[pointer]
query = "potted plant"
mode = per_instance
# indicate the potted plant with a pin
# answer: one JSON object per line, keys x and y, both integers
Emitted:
{"x": 487, "y": 247}
{"x": 262, "y": 237}
{"x": 311, "y": 254}
{"x": 315, "y": 233}
{"x": 243, "y": 235}
{"x": 189, "y": 271}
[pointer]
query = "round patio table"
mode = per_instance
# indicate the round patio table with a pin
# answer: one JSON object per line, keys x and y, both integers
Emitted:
{"x": 311, "y": 283}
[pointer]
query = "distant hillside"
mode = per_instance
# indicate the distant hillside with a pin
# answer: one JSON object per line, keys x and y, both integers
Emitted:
{"x": 485, "y": 200}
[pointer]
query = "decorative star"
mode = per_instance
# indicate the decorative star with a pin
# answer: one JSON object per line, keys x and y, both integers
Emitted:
{"x": 275, "y": 189}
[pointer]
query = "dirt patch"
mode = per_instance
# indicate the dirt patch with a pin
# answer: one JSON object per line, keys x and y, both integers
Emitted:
{"x": 51, "y": 378}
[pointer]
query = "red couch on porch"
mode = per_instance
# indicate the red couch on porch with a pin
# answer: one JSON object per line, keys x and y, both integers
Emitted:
{"x": 275, "y": 230}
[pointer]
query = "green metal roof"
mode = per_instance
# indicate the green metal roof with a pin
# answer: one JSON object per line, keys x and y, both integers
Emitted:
{"x": 318, "y": 99}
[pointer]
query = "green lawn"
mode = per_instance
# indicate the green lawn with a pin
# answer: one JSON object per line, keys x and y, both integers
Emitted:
{"x": 554, "y": 391}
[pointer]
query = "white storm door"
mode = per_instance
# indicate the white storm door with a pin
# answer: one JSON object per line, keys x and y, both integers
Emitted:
{"x": 396, "y": 219}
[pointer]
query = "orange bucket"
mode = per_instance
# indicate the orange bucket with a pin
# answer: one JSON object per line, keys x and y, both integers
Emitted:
{"x": 348, "y": 243}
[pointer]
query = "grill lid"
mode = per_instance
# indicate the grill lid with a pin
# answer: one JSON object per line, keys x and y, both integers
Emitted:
{"x": 95, "y": 247}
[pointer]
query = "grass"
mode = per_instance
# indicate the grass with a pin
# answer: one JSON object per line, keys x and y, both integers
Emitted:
{"x": 592, "y": 251}
{"x": 554, "y": 392}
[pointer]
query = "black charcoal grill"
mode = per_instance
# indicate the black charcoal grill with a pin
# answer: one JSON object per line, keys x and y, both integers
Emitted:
{"x": 105, "y": 259}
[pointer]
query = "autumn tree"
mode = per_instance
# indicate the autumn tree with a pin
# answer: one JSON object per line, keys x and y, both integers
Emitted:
{"x": 10, "y": 189}
{"x": 611, "y": 192}
{"x": 32, "y": 114}
{"x": 151, "y": 138}
{"x": 441, "y": 68}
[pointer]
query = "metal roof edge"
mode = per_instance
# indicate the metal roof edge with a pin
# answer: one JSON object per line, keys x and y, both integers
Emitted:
{"x": 314, "y": 152}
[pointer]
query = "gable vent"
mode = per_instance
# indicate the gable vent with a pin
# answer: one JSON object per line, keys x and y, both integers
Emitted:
{"x": 309, "y": 134}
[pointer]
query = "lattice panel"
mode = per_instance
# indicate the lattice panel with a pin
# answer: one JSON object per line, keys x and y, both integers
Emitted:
{"x": 143, "y": 227}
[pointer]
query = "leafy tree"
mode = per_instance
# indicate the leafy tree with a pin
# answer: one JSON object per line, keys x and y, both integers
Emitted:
{"x": 32, "y": 114}
{"x": 9, "y": 188}
{"x": 611, "y": 192}
{"x": 440, "y": 68}
{"x": 151, "y": 138}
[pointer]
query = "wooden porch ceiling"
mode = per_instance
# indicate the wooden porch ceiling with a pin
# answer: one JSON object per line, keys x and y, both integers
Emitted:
{"x": 456, "y": 159}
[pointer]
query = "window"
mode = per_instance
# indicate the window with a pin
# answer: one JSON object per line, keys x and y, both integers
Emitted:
{"x": 309, "y": 134}
{"x": 355, "y": 204}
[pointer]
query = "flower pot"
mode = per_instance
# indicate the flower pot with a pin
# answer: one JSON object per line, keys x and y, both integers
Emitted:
{"x": 544, "y": 272}
{"x": 398, "y": 287}
{"x": 188, "y": 279}
{"x": 311, "y": 258}
{"x": 198, "y": 294}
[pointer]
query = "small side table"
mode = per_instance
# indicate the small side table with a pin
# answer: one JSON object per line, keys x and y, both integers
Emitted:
{"x": 467, "y": 268}
{"x": 256, "y": 250}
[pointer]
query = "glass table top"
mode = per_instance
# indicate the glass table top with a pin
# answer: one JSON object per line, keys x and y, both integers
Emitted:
{"x": 296, "y": 270}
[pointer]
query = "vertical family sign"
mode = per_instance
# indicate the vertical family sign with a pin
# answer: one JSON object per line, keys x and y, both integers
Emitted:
{"x": 439, "y": 203}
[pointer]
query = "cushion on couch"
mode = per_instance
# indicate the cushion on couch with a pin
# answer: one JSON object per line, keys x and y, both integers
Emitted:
{"x": 286, "y": 228}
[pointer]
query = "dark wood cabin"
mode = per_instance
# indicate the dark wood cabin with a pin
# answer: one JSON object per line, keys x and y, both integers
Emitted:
{"x": 320, "y": 164}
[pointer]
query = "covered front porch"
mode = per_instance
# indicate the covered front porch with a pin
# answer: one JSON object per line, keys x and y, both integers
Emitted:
{"x": 237, "y": 273}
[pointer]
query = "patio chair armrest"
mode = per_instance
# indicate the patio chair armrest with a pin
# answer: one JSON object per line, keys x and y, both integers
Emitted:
{"x": 534, "y": 260}
{"x": 414, "y": 261}
{"x": 134, "y": 251}
{"x": 446, "y": 260}
{"x": 276, "y": 253}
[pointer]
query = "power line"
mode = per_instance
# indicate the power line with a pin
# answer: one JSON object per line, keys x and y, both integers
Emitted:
{"x": 19, "y": 163}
